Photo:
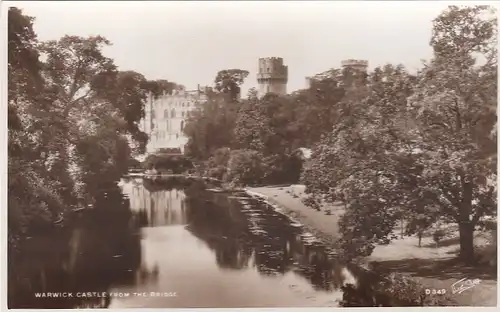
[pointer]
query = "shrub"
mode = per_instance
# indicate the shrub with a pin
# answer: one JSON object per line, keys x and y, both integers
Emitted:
{"x": 245, "y": 168}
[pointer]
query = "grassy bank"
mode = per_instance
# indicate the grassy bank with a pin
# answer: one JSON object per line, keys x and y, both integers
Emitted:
{"x": 435, "y": 267}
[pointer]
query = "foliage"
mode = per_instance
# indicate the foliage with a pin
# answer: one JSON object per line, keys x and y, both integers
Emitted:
{"x": 175, "y": 163}
{"x": 218, "y": 164}
{"x": 264, "y": 126}
{"x": 210, "y": 127}
{"x": 33, "y": 198}
{"x": 409, "y": 145}
{"x": 228, "y": 82}
{"x": 392, "y": 290}
{"x": 317, "y": 107}
{"x": 70, "y": 120}
{"x": 244, "y": 168}
{"x": 24, "y": 77}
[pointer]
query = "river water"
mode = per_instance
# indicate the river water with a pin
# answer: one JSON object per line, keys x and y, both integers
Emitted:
{"x": 173, "y": 244}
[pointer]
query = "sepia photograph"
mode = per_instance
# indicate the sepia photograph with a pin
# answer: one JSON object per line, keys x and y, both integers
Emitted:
{"x": 250, "y": 154}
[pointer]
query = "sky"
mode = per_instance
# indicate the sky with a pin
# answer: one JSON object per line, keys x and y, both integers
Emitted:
{"x": 189, "y": 42}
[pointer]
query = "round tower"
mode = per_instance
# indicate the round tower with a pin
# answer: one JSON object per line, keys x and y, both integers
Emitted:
{"x": 272, "y": 76}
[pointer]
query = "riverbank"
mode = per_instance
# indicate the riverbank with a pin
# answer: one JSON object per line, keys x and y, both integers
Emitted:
{"x": 434, "y": 267}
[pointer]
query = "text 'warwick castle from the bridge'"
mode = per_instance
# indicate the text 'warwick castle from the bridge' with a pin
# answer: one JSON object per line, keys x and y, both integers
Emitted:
{"x": 166, "y": 115}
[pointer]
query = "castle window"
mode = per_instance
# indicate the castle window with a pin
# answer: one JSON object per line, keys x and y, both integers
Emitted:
{"x": 177, "y": 135}
{"x": 165, "y": 113}
{"x": 268, "y": 70}
{"x": 182, "y": 114}
{"x": 182, "y": 125}
{"x": 172, "y": 113}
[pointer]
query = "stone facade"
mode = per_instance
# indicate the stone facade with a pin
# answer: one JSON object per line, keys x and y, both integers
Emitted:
{"x": 166, "y": 116}
{"x": 272, "y": 76}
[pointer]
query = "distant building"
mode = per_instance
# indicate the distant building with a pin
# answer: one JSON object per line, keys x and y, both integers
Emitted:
{"x": 357, "y": 65}
{"x": 272, "y": 76}
{"x": 165, "y": 118}
{"x": 360, "y": 65}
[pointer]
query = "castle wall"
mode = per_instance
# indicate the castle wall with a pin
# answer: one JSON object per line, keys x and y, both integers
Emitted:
{"x": 165, "y": 119}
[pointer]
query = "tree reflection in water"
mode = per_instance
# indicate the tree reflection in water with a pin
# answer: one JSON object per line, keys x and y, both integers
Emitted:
{"x": 239, "y": 233}
{"x": 101, "y": 249}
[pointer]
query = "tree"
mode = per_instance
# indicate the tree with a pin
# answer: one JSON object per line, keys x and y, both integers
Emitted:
{"x": 69, "y": 117}
{"x": 316, "y": 109}
{"x": 364, "y": 157}
{"x": 456, "y": 102}
{"x": 160, "y": 86}
{"x": 24, "y": 77}
{"x": 417, "y": 145}
{"x": 228, "y": 82}
{"x": 210, "y": 127}
{"x": 78, "y": 75}
{"x": 252, "y": 94}
{"x": 267, "y": 126}
{"x": 33, "y": 199}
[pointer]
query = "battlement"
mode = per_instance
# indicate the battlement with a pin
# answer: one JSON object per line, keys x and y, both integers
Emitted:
{"x": 354, "y": 63}
{"x": 272, "y": 58}
{"x": 272, "y": 68}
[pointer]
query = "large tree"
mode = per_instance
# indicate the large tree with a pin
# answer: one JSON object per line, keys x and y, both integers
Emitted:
{"x": 361, "y": 159}
{"x": 69, "y": 119}
{"x": 409, "y": 146}
{"x": 33, "y": 198}
{"x": 455, "y": 104}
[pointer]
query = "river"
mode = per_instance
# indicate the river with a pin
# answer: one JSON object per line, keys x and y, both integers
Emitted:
{"x": 174, "y": 244}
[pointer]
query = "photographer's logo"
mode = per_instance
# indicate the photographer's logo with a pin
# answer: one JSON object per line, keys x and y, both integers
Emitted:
{"x": 464, "y": 284}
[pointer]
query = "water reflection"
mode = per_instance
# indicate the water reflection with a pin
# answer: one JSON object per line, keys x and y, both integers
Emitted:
{"x": 102, "y": 249}
{"x": 156, "y": 208}
{"x": 212, "y": 249}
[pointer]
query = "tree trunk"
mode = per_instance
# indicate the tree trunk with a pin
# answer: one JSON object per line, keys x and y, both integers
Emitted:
{"x": 402, "y": 227}
{"x": 466, "y": 226}
{"x": 466, "y": 241}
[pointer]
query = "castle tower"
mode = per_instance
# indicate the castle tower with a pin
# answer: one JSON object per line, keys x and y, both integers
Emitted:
{"x": 272, "y": 76}
{"x": 360, "y": 65}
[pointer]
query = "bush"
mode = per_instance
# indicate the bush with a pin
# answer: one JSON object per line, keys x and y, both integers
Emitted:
{"x": 245, "y": 167}
{"x": 174, "y": 163}
{"x": 217, "y": 164}
{"x": 391, "y": 290}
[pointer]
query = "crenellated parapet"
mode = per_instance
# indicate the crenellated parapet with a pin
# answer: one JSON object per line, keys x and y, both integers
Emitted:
{"x": 272, "y": 68}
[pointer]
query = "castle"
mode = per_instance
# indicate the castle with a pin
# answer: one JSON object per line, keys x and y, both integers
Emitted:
{"x": 166, "y": 115}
